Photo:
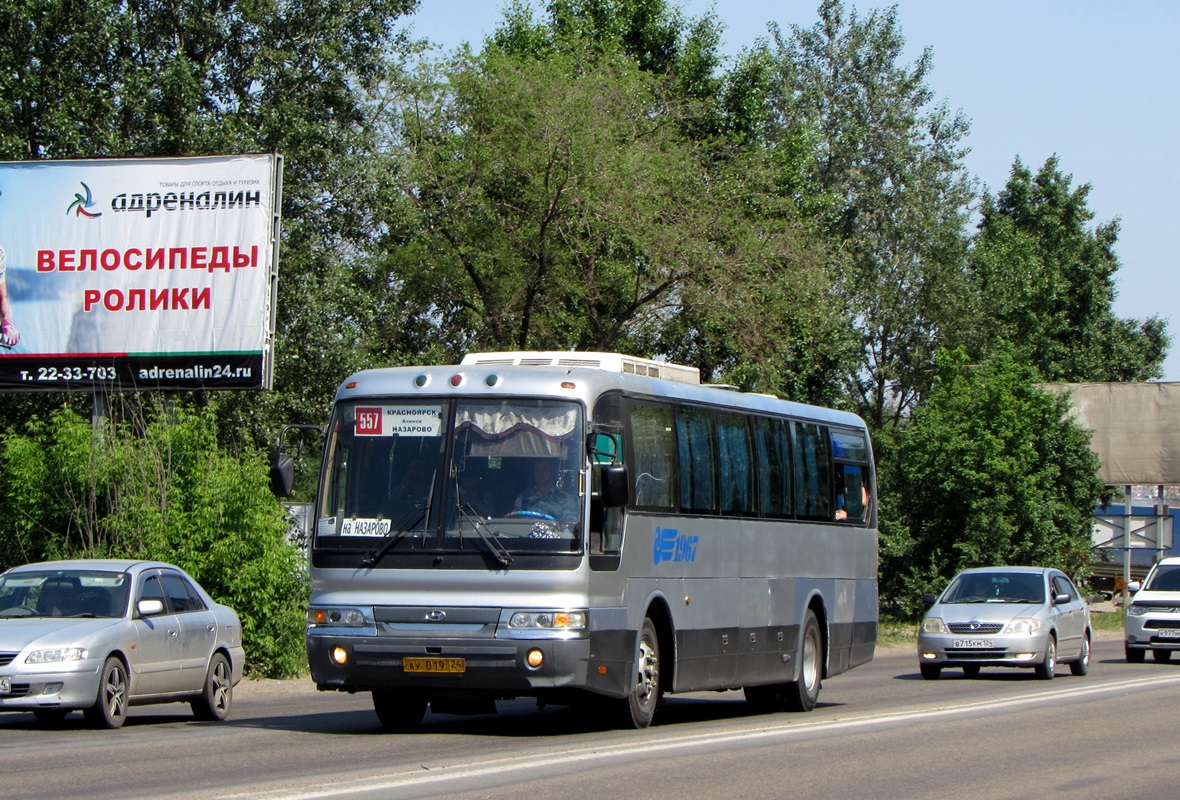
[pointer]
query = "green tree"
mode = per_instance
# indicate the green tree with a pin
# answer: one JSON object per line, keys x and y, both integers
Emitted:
{"x": 990, "y": 469}
{"x": 893, "y": 158}
{"x": 589, "y": 182}
{"x": 1045, "y": 283}
{"x": 153, "y": 484}
{"x": 561, "y": 206}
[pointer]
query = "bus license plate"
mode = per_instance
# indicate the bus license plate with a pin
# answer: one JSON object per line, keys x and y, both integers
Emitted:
{"x": 451, "y": 666}
{"x": 973, "y": 643}
{"x": 1168, "y": 633}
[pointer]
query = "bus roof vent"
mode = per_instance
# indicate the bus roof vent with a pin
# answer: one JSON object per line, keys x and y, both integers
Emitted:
{"x": 612, "y": 362}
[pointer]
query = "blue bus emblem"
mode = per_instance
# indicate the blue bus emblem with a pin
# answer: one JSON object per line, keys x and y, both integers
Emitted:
{"x": 672, "y": 545}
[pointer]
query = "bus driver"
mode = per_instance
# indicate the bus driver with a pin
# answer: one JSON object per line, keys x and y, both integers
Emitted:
{"x": 548, "y": 496}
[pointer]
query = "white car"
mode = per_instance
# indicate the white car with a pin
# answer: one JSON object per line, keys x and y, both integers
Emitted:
{"x": 1006, "y": 617}
{"x": 1153, "y": 617}
{"x": 102, "y": 635}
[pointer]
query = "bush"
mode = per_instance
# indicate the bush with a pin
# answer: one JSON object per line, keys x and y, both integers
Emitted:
{"x": 152, "y": 482}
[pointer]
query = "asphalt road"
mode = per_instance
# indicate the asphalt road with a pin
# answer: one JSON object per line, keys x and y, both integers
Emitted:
{"x": 879, "y": 731}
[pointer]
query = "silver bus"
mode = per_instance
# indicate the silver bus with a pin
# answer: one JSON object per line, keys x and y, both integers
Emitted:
{"x": 585, "y": 526}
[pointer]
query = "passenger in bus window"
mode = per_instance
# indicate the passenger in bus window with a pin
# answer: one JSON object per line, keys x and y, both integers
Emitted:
{"x": 548, "y": 495}
{"x": 848, "y": 477}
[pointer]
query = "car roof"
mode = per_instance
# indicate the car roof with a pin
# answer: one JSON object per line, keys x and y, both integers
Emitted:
{"x": 1028, "y": 570}
{"x": 116, "y": 564}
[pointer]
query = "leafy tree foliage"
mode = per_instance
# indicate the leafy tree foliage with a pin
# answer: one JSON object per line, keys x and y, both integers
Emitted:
{"x": 1046, "y": 284}
{"x": 156, "y": 486}
{"x": 893, "y": 158}
{"x": 990, "y": 470}
{"x": 561, "y": 202}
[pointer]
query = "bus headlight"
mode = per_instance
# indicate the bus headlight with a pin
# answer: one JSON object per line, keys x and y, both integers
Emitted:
{"x": 547, "y": 621}
{"x": 336, "y": 617}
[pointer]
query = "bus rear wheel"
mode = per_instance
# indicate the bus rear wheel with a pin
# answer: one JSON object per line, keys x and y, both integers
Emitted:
{"x": 802, "y": 695}
{"x": 397, "y": 710}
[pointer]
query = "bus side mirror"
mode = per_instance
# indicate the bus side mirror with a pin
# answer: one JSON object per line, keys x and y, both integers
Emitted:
{"x": 282, "y": 474}
{"x": 282, "y": 468}
{"x": 614, "y": 487}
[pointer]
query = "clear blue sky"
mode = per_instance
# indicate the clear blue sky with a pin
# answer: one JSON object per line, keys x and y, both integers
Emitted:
{"x": 1096, "y": 83}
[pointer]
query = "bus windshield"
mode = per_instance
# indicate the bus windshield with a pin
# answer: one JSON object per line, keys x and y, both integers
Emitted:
{"x": 498, "y": 476}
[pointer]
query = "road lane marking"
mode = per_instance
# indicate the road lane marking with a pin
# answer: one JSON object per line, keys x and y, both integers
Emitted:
{"x": 594, "y": 755}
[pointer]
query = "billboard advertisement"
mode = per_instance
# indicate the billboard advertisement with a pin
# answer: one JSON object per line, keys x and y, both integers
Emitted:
{"x": 154, "y": 273}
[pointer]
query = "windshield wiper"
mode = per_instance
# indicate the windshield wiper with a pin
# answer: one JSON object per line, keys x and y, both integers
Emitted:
{"x": 417, "y": 515}
{"x": 489, "y": 536}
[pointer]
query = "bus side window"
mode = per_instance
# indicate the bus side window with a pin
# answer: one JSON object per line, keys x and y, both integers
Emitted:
{"x": 697, "y": 461}
{"x": 850, "y": 480}
{"x": 852, "y": 493}
{"x": 813, "y": 471}
{"x": 736, "y": 467}
{"x": 773, "y": 456}
{"x": 653, "y": 451}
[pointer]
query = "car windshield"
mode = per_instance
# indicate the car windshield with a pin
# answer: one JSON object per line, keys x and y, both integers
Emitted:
{"x": 1166, "y": 578}
{"x": 996, "y": 587}
{"x": 64, "y": 593}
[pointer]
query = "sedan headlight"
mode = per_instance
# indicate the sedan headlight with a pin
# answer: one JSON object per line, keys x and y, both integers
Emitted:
{"x": 933, "y": 625}
{"x": 1023, "y": 626}
{"x": 57, "y": 655}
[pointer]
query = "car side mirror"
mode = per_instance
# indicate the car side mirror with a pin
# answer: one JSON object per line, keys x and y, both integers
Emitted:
{"x": 929, "y": 598}
{"x": 1134, "y": 586}
{"x": 1061, "y": 599}
{"x": 149, "y": 608}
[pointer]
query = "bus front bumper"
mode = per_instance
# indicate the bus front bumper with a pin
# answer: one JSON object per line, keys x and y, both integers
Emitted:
{"x": 505, "y": 668}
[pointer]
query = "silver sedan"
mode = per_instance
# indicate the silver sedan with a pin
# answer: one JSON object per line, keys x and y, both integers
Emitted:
{"x": 1006, "y": 617}
{"x": 102, "y": 635}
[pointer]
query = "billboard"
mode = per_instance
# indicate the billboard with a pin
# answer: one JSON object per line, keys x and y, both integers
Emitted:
{"x": 153, "y": 273}
{"x": 1134, "y": 426}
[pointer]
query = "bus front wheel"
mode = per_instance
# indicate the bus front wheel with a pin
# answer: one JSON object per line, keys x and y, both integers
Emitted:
{"x": 645, "y": 689}
{"x": 801, "y": 695}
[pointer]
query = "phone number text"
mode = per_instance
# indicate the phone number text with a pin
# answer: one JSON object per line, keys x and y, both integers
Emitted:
{"x": 69, "y": 374}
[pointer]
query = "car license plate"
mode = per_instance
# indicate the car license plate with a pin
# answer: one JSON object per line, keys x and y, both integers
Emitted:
{"x": 973, "y": 643}
{"x": 1168, "y": 633}
{"x": 5, "y": 685}
{"x": 453, "y": 666}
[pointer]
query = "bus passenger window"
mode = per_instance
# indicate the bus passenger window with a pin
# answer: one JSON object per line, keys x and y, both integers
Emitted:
{"x": 737, "y": 474}
{"x": 852, "y": 494}
{"x": 813, "y": 468}
{"x": 772, "y": 446}
{"x": 653, "y": 447}
{"x": 698, "y": 465}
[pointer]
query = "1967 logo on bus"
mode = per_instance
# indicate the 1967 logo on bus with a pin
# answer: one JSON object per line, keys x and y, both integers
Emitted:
{"x": 672, "y": 545}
